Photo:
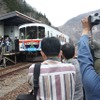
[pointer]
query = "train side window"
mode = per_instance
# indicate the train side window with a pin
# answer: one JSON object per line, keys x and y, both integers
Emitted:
{"x": 22, "y": 33}
{"x": 64, "y": 39}
{"x": 48, "y": 33}
{"x": 59, "y": 37}
{"x": 51, "y": 34}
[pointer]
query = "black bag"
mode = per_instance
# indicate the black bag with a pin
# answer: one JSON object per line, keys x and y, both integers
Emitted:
{"x": 36, "y": 85}
{"x": 25, "y": 97}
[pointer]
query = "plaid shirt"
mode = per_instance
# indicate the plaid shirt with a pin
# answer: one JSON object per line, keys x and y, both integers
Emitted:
{"x": 56, "y": 82}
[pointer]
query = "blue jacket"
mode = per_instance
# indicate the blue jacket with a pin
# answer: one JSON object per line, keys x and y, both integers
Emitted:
{"x": 90, "y": 79}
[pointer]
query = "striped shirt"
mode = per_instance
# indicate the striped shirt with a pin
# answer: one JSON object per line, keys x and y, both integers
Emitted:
{"x": 56, "y": 81}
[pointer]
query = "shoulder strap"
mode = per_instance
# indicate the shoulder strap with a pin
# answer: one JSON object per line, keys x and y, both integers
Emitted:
{"x": 36, "y": 77}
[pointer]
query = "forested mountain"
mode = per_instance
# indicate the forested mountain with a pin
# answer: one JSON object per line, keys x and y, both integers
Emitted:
{"x": 21, "y": 6}
{"x": 73, "y": 27}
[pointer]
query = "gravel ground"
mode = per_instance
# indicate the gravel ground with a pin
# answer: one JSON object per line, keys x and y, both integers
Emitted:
{"x": 12, "y": 94}
{"x": 14, "y": 84}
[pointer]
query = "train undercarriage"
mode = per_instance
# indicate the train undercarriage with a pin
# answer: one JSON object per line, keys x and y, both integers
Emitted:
{"x": 31, "y": 56}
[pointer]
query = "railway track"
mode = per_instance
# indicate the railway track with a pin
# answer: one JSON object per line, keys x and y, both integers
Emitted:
{"x": 11, "y": 69}
{"x": 12, "y": 80}
{"x": 9, "y": 81}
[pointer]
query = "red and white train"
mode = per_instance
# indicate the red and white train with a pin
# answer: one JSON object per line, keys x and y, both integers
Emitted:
{"x": 31, "y": 34}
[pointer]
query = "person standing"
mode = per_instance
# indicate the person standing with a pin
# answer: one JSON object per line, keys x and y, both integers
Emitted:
{"x": 16, "y": 44}
{"x": 68, "y": 55}
{"x": 57, "y": 79}
{"x": 7, "y": 44}
{"x": 97, "y": 56}
{"x": 3, "y": 46}
{"x": 90, "y": 79}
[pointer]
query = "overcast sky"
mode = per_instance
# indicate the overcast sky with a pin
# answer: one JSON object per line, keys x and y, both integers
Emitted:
{"x": 59, "y": 11}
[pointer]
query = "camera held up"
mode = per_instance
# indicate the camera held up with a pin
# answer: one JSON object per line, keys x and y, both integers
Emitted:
{"x": 94, "y": 19}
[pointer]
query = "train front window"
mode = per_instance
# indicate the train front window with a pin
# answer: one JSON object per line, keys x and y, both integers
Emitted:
{"x": 41, "y": 31}
{"x": 31, "y": 32}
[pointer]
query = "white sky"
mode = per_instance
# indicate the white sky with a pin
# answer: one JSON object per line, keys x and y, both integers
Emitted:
{"x": 59, "y": 11}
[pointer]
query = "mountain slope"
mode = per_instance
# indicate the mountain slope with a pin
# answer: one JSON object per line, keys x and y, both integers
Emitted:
{"x": 73, "y": 27}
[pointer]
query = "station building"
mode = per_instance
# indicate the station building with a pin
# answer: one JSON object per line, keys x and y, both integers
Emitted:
{"x": 10, "y": 22}
{"x": 9, "y": 27}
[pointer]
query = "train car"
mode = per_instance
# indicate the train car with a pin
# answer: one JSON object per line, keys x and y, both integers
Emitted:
{"x": 31, "y": 34}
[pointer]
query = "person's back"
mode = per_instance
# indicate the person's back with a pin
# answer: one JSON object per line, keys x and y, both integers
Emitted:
{"x": 57, "y": 80}
{"x": 68, "y": 52}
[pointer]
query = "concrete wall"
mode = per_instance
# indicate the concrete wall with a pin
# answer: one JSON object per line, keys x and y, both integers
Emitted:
{"x": 12, "y": 32}
{"x": 16, "y": 31}
{"x": 9, "y": 31}
{"x": 1, "y": 30}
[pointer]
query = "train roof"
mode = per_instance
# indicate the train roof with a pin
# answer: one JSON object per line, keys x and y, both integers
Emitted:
{"x": 33, "y": 24}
